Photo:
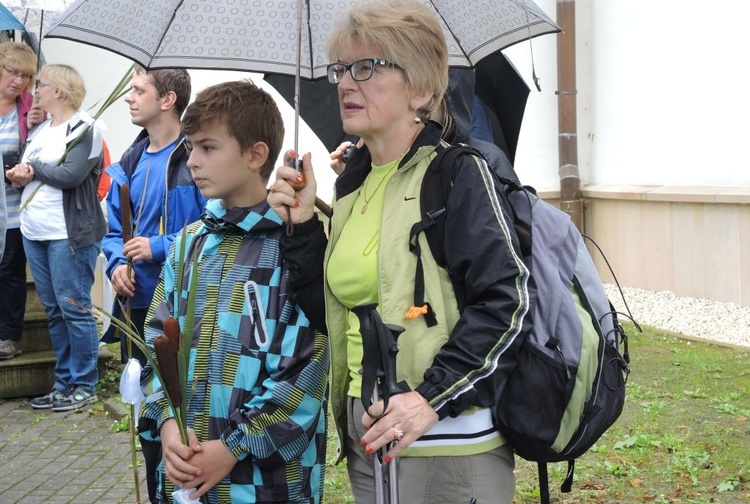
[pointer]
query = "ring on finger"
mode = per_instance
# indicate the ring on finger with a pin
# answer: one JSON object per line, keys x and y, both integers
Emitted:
{"x": 397, "y": 434}
{"x": 273, "y": 189}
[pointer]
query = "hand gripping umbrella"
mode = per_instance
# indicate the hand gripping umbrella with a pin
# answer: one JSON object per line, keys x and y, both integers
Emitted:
{"x": 379, "y": 376}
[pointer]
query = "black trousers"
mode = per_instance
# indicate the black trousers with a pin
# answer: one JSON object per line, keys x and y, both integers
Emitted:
{"x": 12, "y": 286}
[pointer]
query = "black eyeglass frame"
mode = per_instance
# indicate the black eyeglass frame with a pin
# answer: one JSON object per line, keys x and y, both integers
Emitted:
{"x": 338, "y": 65}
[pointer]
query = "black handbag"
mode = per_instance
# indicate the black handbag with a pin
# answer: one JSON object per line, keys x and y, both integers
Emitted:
{"x": 10, "y": 160}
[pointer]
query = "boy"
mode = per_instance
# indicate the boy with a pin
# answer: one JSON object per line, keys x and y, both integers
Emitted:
{"x": 257, "y": 416}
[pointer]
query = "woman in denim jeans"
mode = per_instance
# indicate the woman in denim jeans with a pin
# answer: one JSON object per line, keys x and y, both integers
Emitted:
{"x": 62, "y": 225}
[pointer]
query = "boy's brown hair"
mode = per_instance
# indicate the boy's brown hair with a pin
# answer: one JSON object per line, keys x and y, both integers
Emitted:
{"x": 250, "y": 113}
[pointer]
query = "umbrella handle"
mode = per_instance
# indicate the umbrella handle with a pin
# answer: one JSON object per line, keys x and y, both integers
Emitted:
{"x": 324, "y": 207}
{"x": 321, "y": 205}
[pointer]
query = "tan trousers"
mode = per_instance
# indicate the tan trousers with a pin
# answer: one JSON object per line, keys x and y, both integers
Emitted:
{"x": 487, "y": 477}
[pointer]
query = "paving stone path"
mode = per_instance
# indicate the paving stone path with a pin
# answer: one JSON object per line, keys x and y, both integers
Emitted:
{"x": 60, "y": 458}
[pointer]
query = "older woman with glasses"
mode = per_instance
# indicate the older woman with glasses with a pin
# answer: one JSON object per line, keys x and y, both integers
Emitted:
{"x": 17, "y": 114}
{"x": 62, "y": 225}
{"x": 391, "y": 69}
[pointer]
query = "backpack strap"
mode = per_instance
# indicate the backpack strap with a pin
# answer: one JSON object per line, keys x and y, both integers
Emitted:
{"x": 566, "y": 487}
{"x": 543, "y": 482}
{"x": 436, "y": 187}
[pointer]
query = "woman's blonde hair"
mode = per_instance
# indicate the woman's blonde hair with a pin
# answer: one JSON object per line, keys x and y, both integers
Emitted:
{"x": 408, "y": 34}
{"x": 21, "y": 57}
{"x": 68, "y": 81}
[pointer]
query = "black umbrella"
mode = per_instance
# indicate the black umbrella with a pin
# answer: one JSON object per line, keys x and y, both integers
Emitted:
{"x": 319, "y": 107}
{"x": 502, "y": 90}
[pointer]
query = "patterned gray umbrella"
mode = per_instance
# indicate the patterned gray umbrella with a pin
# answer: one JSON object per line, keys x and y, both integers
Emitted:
{"x": 260, "y": 35}
{"x": 275, "y": 37}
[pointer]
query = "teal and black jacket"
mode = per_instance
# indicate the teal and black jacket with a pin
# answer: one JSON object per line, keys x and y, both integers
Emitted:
{"x": 260, "y": 370}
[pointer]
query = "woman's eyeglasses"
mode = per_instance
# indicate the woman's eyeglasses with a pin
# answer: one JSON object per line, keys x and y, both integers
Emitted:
{"x": 16, "y": 74}
{"x": 40, "y": 84}
{"x": 361, "y": 70}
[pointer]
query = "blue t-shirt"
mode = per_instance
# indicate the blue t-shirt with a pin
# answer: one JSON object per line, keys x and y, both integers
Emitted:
{"x": 148, "y": 191}
{"x": 148, "y": 188}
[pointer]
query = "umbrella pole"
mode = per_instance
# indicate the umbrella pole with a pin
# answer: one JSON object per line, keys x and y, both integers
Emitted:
{"x": 297, "y": 67}
{"x": 39, "y": 48}
{"x": 297, "y": 162}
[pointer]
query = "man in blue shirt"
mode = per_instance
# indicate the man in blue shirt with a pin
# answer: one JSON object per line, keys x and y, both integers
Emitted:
{"x": 163, "y": 196}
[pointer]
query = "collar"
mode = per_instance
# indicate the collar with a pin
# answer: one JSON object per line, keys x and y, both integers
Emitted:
{"x": 360, "y": 164}
{"x": 258, "y": 219}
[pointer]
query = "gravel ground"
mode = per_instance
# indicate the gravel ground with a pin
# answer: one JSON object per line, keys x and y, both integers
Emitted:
{"x": 697, "y": 318}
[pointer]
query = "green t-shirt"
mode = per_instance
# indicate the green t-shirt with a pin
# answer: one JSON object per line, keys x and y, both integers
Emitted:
{"x": 352, "y": 269}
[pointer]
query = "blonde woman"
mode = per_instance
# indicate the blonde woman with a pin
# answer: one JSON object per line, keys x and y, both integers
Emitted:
{"x": 62, "y": 225}
{"x": 391, "y": 68}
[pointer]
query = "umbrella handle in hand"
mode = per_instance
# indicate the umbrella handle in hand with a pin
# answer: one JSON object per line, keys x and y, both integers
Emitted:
{"x": 321, "y": 205}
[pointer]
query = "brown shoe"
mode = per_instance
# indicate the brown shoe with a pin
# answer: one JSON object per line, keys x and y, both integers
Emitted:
{"x": 9, "y": 349}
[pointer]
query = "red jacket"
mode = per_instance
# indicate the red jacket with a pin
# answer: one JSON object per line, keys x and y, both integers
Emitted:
{"x": 25, "y": 101}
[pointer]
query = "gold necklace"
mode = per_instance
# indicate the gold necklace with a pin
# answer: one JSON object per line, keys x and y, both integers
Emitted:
{"x": 367, "y": 180}
{"x": 395, "y": 164}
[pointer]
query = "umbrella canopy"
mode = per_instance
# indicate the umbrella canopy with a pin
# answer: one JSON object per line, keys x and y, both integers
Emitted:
{"x": 503, "y": 94}
{"x": 36, "y": 17}
{"x": 260, "y": 35}
{"x": 319, "y": 107}
{"x": 271, "y": 37}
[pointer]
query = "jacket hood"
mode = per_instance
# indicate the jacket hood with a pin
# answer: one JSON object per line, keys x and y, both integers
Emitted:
{"x": 460, "y": 97}
{"x": 129, "y": 158}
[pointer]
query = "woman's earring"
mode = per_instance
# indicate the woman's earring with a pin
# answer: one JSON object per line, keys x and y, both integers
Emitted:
{"x": 417, "y": 120}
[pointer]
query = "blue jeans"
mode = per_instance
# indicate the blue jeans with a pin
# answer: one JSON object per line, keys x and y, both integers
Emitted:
{"x": 61, "y": 272}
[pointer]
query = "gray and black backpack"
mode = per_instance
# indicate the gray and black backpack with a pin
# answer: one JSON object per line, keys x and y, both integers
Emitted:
{"x": 568, "y": 383}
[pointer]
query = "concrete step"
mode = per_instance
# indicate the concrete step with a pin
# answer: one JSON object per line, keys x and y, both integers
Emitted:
{"x": 35, "y": 336}
{"x": 33, "y": 374}
{"x": 34, "y": 307}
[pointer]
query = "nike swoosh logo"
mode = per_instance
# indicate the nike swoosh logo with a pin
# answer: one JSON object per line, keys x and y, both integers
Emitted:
{"x": 409, "y": 198}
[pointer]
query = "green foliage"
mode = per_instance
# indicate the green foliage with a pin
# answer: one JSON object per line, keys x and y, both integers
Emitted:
{"x": 122, "y": 425}
{"x": 683, "y": 436}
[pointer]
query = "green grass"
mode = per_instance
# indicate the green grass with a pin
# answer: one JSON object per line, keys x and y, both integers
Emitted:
{"x": 683, "y": 437}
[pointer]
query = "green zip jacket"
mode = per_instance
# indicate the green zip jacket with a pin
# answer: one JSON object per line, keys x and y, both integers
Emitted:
{"x": 480, "y": 300}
